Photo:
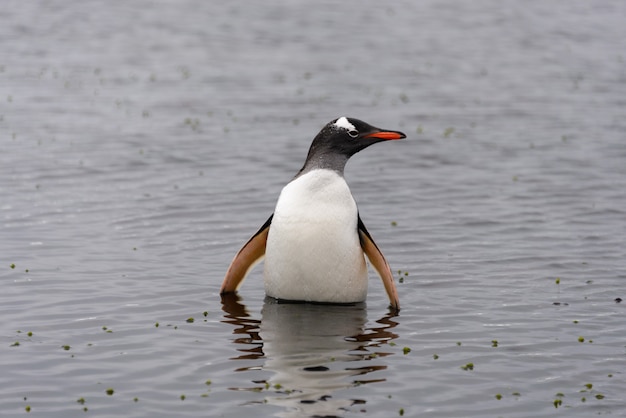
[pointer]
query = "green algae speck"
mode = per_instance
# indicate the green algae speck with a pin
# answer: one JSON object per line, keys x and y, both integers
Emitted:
{"x": 468, "y": 366}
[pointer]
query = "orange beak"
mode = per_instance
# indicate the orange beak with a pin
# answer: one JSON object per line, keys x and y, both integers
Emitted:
{"x": 386, "y": 135}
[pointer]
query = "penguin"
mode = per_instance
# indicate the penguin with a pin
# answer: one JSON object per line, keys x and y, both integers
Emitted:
{"x": 314, "y": 244}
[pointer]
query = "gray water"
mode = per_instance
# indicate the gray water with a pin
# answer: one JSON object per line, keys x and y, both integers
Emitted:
{"x": 142, "y": 143}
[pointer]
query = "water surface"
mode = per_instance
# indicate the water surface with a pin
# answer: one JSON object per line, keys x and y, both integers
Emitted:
{"x": 142, "y": 144}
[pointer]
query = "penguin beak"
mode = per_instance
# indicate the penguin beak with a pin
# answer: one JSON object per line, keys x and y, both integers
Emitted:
{"x": 385, "y": 135}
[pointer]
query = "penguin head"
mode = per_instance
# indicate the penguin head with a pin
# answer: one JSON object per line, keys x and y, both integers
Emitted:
{"x": 347, "y": 136}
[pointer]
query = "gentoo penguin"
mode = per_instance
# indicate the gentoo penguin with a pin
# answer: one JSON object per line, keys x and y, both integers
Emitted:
{"x": 314, "y": 243}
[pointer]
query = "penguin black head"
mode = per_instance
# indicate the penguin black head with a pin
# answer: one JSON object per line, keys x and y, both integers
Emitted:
{"x": 342, "y": 138}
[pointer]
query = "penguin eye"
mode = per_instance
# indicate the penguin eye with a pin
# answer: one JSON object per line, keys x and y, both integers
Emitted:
{"x": 353, "y": 133}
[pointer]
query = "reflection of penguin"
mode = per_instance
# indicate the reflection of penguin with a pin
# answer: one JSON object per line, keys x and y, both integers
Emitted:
{"x": 314, "y": 243}
{"x": 306, "y": 347}
{"x": 311, "y": 350}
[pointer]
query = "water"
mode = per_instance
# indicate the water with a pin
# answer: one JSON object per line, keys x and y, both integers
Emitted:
{"x": 142, "y": 143}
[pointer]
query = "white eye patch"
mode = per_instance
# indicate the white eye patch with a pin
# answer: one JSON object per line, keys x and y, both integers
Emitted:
{"x": 344, "y": 123}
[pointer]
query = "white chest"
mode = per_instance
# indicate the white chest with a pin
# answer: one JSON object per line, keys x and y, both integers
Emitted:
{"x": 313, "y": 251}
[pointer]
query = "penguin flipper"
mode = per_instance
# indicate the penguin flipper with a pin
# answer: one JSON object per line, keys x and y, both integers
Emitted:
{"x": 377, "y": 259}
{"x": 249, "y": 255}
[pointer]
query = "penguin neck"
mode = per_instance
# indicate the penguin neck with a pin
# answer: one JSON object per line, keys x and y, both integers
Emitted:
{"x": 324, "y": 161}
